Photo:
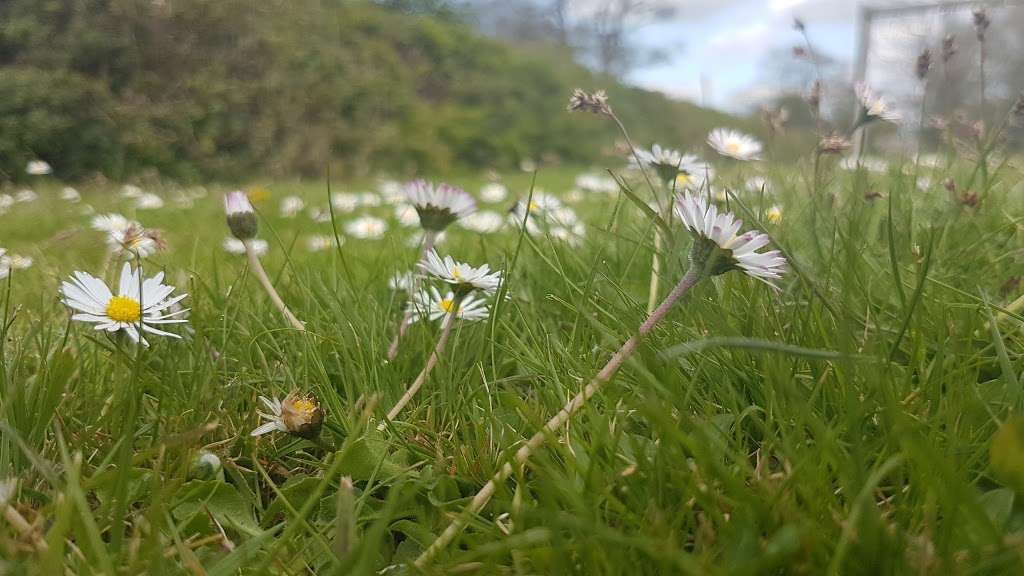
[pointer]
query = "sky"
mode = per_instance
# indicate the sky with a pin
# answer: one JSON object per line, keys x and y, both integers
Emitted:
{"x": 726, "y": 42}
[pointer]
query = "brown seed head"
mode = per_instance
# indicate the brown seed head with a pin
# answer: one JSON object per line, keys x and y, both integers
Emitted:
{"x": 583, "y": 101}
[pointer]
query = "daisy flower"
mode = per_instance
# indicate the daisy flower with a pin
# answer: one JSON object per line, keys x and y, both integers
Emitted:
{"x": 493, "y": 192}
{"x": 291, "y": 206}
{"x": 369, "y": 199}
{"x": 666, "y": 162}
{"x": 406, "y": 215}
{"x": 131, "y": 191}
{"x": 241, "y": 216}
{"x": 69, "y": 194}
{"x": 6, "y": 201}
{"x": 233, "y": 245}
{"x": 485, "y": 222}
{"x": 38, "y": 168}
{"x": 149, "y": 201}
{"x": 10, "y": 262}
{"x": 402, "y": 281}
{"x": 110, "y": 223}
{"x": 734, "y": 144}
{"x": 319, "y": 243}
{"x": 344, "y": 202}
{"x": 438, "y": 205}
{"x": 873, "y": 106}
{"x": 715, "y": 237}
{"x": 138, "y": 303}
{"x": 591, "y": 182}
{"x": 391, "y": 191}
{"x": 366, "y": 228}
{"x": 294, "y": 415}
{"x": 430, "y": 305}
{"x": 463, "y": 277}
{"x": 774, "y": 214}
{"x": 25, "y": 196}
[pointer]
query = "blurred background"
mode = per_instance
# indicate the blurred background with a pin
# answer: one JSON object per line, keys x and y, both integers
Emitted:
{"x": 232, "y": 90}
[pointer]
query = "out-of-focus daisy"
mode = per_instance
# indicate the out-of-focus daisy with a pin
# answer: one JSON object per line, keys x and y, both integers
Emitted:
{"x": 438, "y": 204}
{"x": 69, "y": 194}
{"x": 757, "y": 184}
{"x": 873, "y": 106}
{"x": 590, "y": 182}
{"x": 38, "y": 168}
{"x": 402, "y": 281}
{"x": 25, "y": 196}
{"x": 319, "y": 243}
{"x": 366, "y": 228}
{"x": 319, "y": 214}
{"x": 493, "y": 192}
{"x": 233, "y": 245}
{"x": 406, "y": 215}
{"x": 419, "y": 240}
{"x": 774, "y": 214}
{"x": 571, "y": 233}
{"x": 128, "y": 238}
{"x": 694, "y": 175}
{"x": 391, "y": 191}
{"x": 291, "y": 206}
{"x": 463, "y": 277}
{"x": 110, "y": 223}
{"x": 131, "y": 191}
{"x": 485, "y": 222}
{"x": 430, "y": 305}
{"x": 296, "y": 415}
{"x": 665, "y": 162}
{"x": 369, "y": 199}
{"x": 138, "y": 303}
{"x": 715, "y": 237}
{"x": 344, "y": 202}
{"x": 734, "y": 144}
{"x": 869, "y": 163}
{"x": 149, "y": 201}
{"x": 10, "y": 262}
{"x": 6, "y": 201}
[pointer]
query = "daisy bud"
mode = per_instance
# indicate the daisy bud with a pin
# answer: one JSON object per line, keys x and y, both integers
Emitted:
{"x": 240, "y": 214}
{"x": 206, "y": 466}
{"x": 596, "y": 102}
{"x": 924, "y": 64}
{"x": 301, "y": 416}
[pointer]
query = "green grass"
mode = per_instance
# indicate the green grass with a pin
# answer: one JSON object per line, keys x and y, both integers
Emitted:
{"x": 839, "y": 426}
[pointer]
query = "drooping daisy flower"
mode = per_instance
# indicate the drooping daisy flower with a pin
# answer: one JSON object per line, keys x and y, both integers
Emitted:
{"x": 38, "y": 168}
{"x": 138, "y": 303}
{"x": 291, "y": 206}
{"x": 366, "y": 228}
{"x": 873, "y": 106}
{"x": 69, "y": 194}
{"x": 493, "y": 192}
{"x": 715, "y": 237}
{"x": 463, "y": 277}
{"x": 233, "y": 245}
{"x": 149, "y": 201}
{"x": 665, "y": 162}
{"x": 438, "y": 204}
{"x": 430, "y": 305}
{"x": 485, "y": 222}
{"x": 296, "y": 415}
{"x": 734, "y": 144}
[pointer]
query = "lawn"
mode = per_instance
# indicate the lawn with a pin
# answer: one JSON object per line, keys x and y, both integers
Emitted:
{"x": 841, "y": 424}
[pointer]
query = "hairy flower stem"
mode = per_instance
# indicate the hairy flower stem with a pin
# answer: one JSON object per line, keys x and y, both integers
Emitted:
{"x": 652, "y": 295}
{"x": 442, "y": 342}
{"x": 692, "y": 276}
{"x": 429, "y": 237}
{"x": 261, "y": 275}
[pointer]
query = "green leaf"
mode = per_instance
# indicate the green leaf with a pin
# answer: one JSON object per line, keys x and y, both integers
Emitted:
{"x": 1006, "y": 456}
{"x": 222, "y": 501}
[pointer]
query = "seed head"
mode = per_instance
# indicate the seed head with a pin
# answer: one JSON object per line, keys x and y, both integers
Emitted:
{"x": 799, "y": 25}
{"x": 834, "y": 143}
{"x": 948, "y": 48}
{"x": 814, "y": 96}
{"x": 981, "y": 23}
{"x": 583, "y": 101}
{"x": 924, "y": 64}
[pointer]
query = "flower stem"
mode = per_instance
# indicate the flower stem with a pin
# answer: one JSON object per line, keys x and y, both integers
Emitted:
{"x": 692, "y": 276}
{"x": 264, "y": 280}
{"x": 429, "y": 237}
{"x": 442, "y": 342}
{"x": 652, "y": 296}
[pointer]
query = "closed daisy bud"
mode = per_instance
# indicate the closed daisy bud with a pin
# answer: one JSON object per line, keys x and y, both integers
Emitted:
{"x": 206, "y": 466}
{"x": 240, "y": 214}
{"x": 301, "y": 416}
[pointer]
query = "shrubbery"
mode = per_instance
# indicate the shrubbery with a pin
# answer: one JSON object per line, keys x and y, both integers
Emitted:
{"x": 233, "y": 88}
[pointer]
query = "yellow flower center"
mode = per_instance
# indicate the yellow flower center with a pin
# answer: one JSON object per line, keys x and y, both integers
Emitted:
{"x": 304, "y": 405}
{"x": 533, "y": 206}
{"x": 456, "y": 274}
{"x": 732, "y": 147}
{"x": 446, "y": 304}
{"x": 123, "y": 309}
{"x": 682, "y": 179}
